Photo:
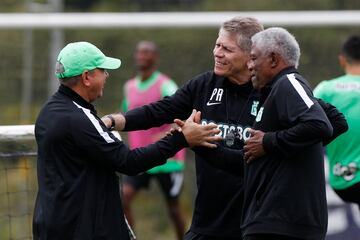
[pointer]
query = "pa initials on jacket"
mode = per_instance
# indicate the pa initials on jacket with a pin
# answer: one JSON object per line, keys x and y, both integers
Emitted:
{"x": 216, "y": 96}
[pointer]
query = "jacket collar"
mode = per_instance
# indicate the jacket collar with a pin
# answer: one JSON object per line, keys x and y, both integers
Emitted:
{"x": 75, "y": 97}
{"x": 283, "y": 72}
{"x": 265, "y": 91}
{"x": 242, "y": 89}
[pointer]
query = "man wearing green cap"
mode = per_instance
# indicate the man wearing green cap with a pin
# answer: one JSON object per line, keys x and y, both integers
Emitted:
{"x": 78, "y": 196}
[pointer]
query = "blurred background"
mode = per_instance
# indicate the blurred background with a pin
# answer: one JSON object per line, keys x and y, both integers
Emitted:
{"x": 26, "y": 66}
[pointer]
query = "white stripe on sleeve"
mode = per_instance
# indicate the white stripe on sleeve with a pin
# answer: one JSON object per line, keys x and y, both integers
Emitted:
{"x": 177, "y": 179}
{"x": 300, "y": 90}
{"x": 96, "y": 124}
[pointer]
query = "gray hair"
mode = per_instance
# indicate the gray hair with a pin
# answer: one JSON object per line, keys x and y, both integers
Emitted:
{"x": 244, "y": 28}
{"x": 278, "y": 40}
{"x": 70, "y": 81}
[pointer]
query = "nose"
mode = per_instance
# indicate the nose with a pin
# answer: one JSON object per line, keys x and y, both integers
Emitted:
{"x": 217, "y": 52}
{"x": 250, "y": 65}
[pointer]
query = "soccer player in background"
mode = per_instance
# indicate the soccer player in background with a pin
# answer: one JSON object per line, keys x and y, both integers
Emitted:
{"x": 344, "y": 93}
{"x": 150, "y": 85}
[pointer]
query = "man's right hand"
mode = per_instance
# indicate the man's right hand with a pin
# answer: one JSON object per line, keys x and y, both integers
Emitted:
{"x": 197, "y": 134}
{"x": 119, "y": 121}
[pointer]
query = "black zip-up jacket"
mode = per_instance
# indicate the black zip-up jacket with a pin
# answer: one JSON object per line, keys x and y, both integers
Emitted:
{"x": 285, "y": 189}
{"x": 219, "y": 198}
{"x": 78, "y": 195}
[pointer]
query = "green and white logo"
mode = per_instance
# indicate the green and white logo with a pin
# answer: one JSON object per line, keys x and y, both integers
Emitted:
{"x": 254, "y": 108}
{"x": 259, "y": 115}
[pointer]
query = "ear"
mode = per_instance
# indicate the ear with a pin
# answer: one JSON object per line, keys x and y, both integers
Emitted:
{"x": 342, "y": 61}
{"x": 274, "y": 59}
{"x": 85, "y": 78}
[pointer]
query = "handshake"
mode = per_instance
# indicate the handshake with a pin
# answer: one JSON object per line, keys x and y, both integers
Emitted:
{"x": 194, "y": 133}
{"x": 204, "y": 135}
{"x": 197, "y": 134}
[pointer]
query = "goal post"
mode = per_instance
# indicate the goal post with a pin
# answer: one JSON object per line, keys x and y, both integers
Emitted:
{"x": 17, "y": 132}
{"x": 8, "y": 132}
{"x": 174, "y": 19}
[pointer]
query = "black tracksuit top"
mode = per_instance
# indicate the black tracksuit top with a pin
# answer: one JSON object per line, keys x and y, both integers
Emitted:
{"x": 219, "y": 198}
{"x": 285, "y": 189}
{"x": 78, "y": 157}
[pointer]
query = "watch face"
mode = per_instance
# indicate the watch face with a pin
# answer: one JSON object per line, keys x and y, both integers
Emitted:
{"x": 233, "y": 140}
{"x": 230, "y": 139}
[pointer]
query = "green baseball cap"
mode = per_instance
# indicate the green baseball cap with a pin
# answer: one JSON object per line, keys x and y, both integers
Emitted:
{"x": 77, "y": 57}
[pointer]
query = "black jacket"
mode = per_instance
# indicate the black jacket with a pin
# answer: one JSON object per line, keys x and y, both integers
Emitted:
{"x": 220, "y": 195}
{"x": 285, "y": 189}
{"x": 78, "y": 195}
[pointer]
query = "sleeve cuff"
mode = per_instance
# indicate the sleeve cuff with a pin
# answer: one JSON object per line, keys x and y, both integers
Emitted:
{"x": 179, "y": 140}
{"x": 130, "y": 122}
{"x": 269, "y": 142}
{"x": 170, "y": 145}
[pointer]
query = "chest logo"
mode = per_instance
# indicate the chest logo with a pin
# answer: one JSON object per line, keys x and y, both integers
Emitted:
{"x": 254, "y": 108}
{"x": 216, "y": 97}
{"x": 259, "y": 114}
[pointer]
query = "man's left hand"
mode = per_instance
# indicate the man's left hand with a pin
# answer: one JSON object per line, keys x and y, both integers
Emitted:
{"x": 253, "y": 147}
{"x": 197, "y": 134}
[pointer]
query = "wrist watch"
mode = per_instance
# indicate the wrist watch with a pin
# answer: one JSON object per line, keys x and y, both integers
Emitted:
{"x": 112, "y": 127}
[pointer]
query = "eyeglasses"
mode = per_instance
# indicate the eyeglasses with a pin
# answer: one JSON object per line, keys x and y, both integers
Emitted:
{"x": 104, "y": 71}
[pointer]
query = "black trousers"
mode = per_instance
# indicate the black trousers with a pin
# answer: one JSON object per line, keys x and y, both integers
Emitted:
{"x": 268, "y": 236}
{"x": 350, "y": 194}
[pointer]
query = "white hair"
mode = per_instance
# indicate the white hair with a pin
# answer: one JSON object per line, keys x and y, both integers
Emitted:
{"x": 278, "y": 40}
